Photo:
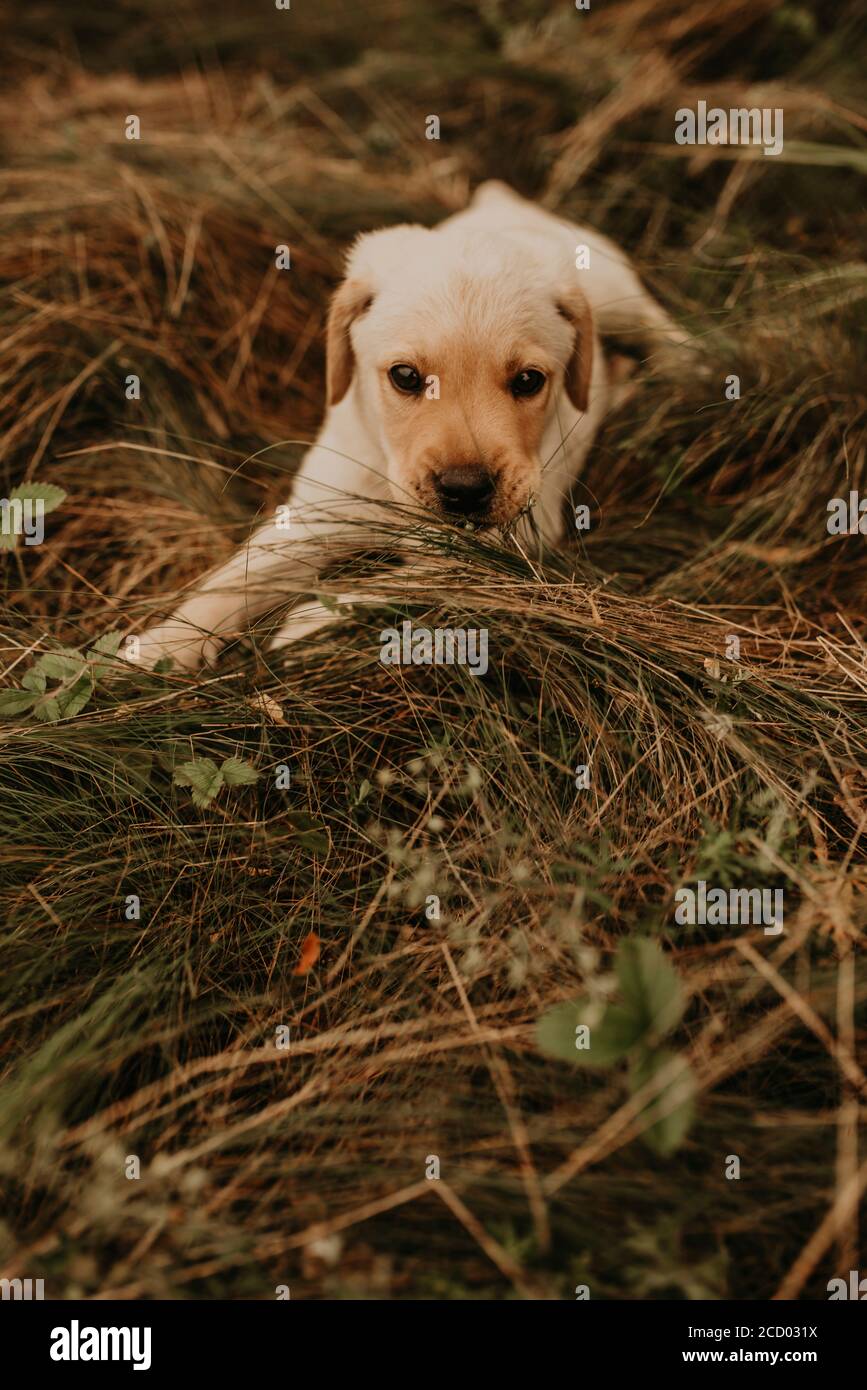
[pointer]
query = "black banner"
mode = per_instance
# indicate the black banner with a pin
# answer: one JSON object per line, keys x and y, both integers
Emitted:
{"x": 80, "y": 1339}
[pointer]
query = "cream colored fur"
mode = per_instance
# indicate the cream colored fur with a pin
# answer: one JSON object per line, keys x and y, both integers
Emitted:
{"x": 490, "y": 291}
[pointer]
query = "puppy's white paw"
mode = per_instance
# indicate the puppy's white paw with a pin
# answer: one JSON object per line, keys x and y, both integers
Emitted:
{"x": 311, "y": 617}
{"x": 303, "y": 622}
{"x": 187, "y": 648}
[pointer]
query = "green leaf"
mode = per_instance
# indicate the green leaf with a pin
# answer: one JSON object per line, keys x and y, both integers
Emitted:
{"x": 76, "y": 674}
{"x": 203, "y": 776}
{"x": 75, "y": 699}
{"x": 666, "y": 1133}
{"x": 611, "y": 1036}
{"x": 61, "y": 665}
{"x": 16, "y": 701}
{"x": 108, "y": 646}
{"x": 650, "y": 986}
{"x": 237, "y": 773}
{"x": 48, "y": 494}
{"x": 47, "y": 710}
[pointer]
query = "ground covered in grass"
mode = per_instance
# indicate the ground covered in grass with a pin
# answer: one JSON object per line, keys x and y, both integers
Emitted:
{"x": 255, "y": 997}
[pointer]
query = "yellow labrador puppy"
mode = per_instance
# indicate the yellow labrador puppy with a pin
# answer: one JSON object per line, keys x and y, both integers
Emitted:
{"x": 464, "y": 377}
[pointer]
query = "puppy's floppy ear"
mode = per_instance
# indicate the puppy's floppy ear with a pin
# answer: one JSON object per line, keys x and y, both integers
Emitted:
{"x": 573, "y": 306}
{"x": 347, "y": 304}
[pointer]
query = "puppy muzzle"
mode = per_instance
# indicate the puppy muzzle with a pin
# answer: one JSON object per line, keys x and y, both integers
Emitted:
{"x": 465, "y": 490}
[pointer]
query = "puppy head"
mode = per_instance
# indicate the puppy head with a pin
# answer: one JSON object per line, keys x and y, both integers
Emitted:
{"x": 459, "y": 351}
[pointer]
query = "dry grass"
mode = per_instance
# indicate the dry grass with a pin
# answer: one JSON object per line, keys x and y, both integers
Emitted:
{"x": 411, "y": 1037}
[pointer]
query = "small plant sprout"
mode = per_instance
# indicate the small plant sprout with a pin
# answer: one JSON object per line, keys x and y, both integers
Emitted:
{"x": 206, "y": 779}
{"x": 60, "y": 684}
{"x": 23, "y": 512}
{"x": 590, "y": 1033}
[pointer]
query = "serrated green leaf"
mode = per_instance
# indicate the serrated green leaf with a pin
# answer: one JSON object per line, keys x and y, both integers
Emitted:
{"x": 16, "y": 701}
{"x": 106, "y": 646}
{"x": 48, "y": 494}
{"x": 196, "y": 772}
{"x": 47, "y": 710}
{"x": 649, "y": 985}
{"x": 35, "y": 680}
{"x": 666, "y": 1133}
{"x": 60, "y": 665}
{"x": 204, "y": 778}
{"x": 74, "y": 700}
{"x": 611, "y": 1035}
{"x": 237, "y": 773}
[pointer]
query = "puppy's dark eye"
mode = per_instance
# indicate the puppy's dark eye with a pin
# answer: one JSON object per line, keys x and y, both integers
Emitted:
{"x": 528, "y": 383}
{"x": 405, "y": 379}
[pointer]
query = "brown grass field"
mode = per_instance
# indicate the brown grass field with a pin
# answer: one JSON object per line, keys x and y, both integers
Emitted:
{"x": 412, "y": 1039}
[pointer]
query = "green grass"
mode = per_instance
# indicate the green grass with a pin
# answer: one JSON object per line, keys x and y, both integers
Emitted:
{"x": 412, "y": 1037}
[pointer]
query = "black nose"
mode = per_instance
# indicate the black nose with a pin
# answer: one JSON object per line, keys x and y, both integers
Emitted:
{"x": 465, "y": 490}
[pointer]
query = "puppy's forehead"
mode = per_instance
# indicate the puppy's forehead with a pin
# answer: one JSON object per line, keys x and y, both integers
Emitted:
{"x": 429, "y": 286}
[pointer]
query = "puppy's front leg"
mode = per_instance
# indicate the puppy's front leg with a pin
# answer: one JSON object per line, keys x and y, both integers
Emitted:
{"x": 276, "y": 563}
